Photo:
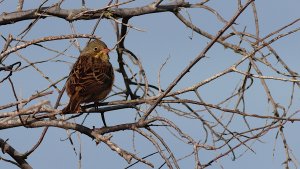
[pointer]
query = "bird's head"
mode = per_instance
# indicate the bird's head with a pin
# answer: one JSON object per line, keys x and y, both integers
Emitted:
{"x": 97, "y": 49}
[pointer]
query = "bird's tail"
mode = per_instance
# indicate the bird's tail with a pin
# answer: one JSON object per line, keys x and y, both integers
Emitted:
{"x": 73, "y": 106}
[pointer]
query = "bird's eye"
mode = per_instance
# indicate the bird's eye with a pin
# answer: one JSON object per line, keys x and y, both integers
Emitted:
{"x": 95, "y": 49}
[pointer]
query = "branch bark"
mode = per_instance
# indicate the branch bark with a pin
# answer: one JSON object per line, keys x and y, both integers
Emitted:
{"x": 18, "y": 157}
{"x": 87, "y": 14}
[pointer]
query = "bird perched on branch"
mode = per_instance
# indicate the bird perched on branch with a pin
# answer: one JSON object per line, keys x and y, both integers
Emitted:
{"x": 91, "y": 77}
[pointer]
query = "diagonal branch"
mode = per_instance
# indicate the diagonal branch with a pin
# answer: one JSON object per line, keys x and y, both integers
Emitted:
{"x": 196, "y": 60}
{"x": 18, "y": 157}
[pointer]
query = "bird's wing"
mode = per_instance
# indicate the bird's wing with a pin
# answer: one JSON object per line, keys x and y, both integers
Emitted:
{"x": 99, "y": 80}
{"x": 86, "y": 76}
{"x": 80, "y": 75}
{"x": 103, "y": 73}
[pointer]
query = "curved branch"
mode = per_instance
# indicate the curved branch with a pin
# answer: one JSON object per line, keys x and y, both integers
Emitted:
{"x": 87, "y": 14}
{"x": 96, "y": 134}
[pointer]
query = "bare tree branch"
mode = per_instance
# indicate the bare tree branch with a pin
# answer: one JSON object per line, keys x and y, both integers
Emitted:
{"x": 18, "y": 157}
{"x": 86, "y": 14}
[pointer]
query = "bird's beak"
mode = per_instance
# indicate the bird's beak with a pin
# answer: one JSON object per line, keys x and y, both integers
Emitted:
{"x": 106, "y": 51}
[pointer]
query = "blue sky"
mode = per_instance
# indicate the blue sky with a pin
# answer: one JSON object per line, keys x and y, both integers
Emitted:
{"x": 164, "y": 37}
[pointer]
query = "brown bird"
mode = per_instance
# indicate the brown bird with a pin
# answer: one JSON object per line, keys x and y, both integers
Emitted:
{"x": 91, "y": 77}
